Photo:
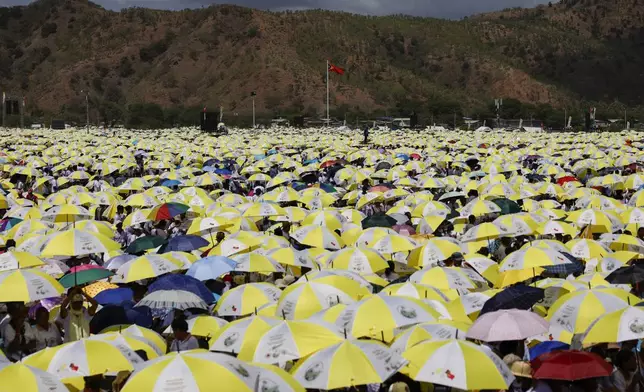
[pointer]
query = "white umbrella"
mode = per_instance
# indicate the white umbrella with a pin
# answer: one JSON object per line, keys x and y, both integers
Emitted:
{"x": 172, "y": 299}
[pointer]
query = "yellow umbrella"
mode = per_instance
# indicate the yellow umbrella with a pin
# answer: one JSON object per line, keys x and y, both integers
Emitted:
{"x": 457, "y": 364}
{"x": 199, "y": 368}
{"x": 577, "y": 310}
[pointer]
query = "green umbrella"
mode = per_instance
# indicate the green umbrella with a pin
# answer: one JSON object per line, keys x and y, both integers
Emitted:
{"x": 83, "y": 274}
{"x": 144, "y": 243}
{"x": 507, "y": 206}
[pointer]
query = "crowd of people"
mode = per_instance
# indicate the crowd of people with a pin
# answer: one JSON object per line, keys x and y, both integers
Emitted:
{"x": 286, "y": 247}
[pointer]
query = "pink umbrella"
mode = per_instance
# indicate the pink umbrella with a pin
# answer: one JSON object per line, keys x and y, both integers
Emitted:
{"x": 506, "y": 325}
{"x": 404, "y": 230}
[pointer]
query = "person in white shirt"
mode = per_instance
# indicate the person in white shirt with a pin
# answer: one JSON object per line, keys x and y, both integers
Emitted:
{"x": 74, "y": 317}
{"x": 183, "y": 341}
{"x": 43, "y": 334}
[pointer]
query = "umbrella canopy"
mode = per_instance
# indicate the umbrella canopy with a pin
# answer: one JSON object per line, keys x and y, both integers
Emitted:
{"x": 76, "y": 243}
{"x": 167, "y": 211}
{"x": 20, "y": 377}
{"x": 198, "y": 369}
{"x": 577, "y": 310}
{"x": 547, "y": 347}
{"x": 13, "y": 260}
{"x": 142, "y": 244}
{"x": 182, "y": 282}
{"x": 83, "y": 358}
{"x": 184, "y": 243}
{"x": 631, "y": 274}
{"x": 348, "y": 364}
{"x": 111, "y": 315}
{"x": 246, "y": 299}
{"x": 507, "y": 325}
{"x": 378, "y": 220}
{"x": 435, "y": 330}
{"x": 515, "y": 297}
{"x": 289, "y": 340}
{"x": 242, "y": 334}
{"x": 144, "y": 267}
{"x": 570, "y": 366}
{"x": 27, "y": 285}
{"x": 302, "y": 300}
{"x": 616, "y": 327}
{"x": 84, "y": 274}
{"x": 377, "y": 316}
{"x": 172, "y": 299}
{"x": 211, "y": 267}
{"x": 457, "y": 364}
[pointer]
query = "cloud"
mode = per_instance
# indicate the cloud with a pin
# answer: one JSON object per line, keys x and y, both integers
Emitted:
{"x": 433, "y": 8}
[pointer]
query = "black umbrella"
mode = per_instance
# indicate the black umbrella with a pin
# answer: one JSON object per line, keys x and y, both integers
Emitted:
{"x": 630, "y": 274}
{"x": 514, "y": 297}
{"x": 111, "y": 315}
{"x": 378, "y": 220}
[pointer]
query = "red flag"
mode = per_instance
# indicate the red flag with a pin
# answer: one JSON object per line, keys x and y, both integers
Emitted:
{"x": 204, "y": 109}
{"x": 338, "y": 70}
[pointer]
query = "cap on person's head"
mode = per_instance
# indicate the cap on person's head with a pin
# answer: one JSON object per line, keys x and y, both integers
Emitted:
{"x": 77, "y": 298}
{"x": 457, "y": 255}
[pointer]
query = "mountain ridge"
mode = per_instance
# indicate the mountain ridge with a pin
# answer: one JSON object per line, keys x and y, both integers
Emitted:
{"x": 567, "y": 55}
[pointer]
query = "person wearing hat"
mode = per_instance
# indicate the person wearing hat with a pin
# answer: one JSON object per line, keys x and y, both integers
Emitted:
{"x": 74, "y": 316}
{"x": 521, "y": 370}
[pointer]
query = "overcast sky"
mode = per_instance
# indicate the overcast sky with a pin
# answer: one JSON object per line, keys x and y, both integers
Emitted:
{"x": 435, "y": 8}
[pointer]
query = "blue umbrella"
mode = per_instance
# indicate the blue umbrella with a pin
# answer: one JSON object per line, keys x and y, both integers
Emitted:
{"x": 223, "y": 172}
{"x": 547, "y": 347}
{"x": 182, "y": 282}
{"x": 171, "y": 183}
{"x": 514, "y": 297}
{"x": 184, "y": 243}
{"x": 211, "y": 267}
{"x": 114, "y": 296}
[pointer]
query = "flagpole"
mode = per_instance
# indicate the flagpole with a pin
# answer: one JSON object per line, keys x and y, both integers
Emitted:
{"x": 327, "y": 91}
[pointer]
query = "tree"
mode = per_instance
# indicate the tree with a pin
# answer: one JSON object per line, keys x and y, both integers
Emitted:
{"x": 145, "y": 116}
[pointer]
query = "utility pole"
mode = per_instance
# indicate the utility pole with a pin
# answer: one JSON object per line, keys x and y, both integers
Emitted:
{"x": 86, "y": 109}
{"x": 22, "y": 113}
{"x": 253, "y": 94}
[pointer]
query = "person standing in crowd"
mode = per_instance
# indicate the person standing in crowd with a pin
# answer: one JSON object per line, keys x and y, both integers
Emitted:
{"x": 74, "y": 316}
{"x": 183, "y": 340}
{"x": 13, "y": 334}
{"x": 43, "y": 333}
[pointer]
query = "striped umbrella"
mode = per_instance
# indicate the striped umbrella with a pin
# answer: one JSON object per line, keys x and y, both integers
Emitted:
{"x": 348, "y": 364}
